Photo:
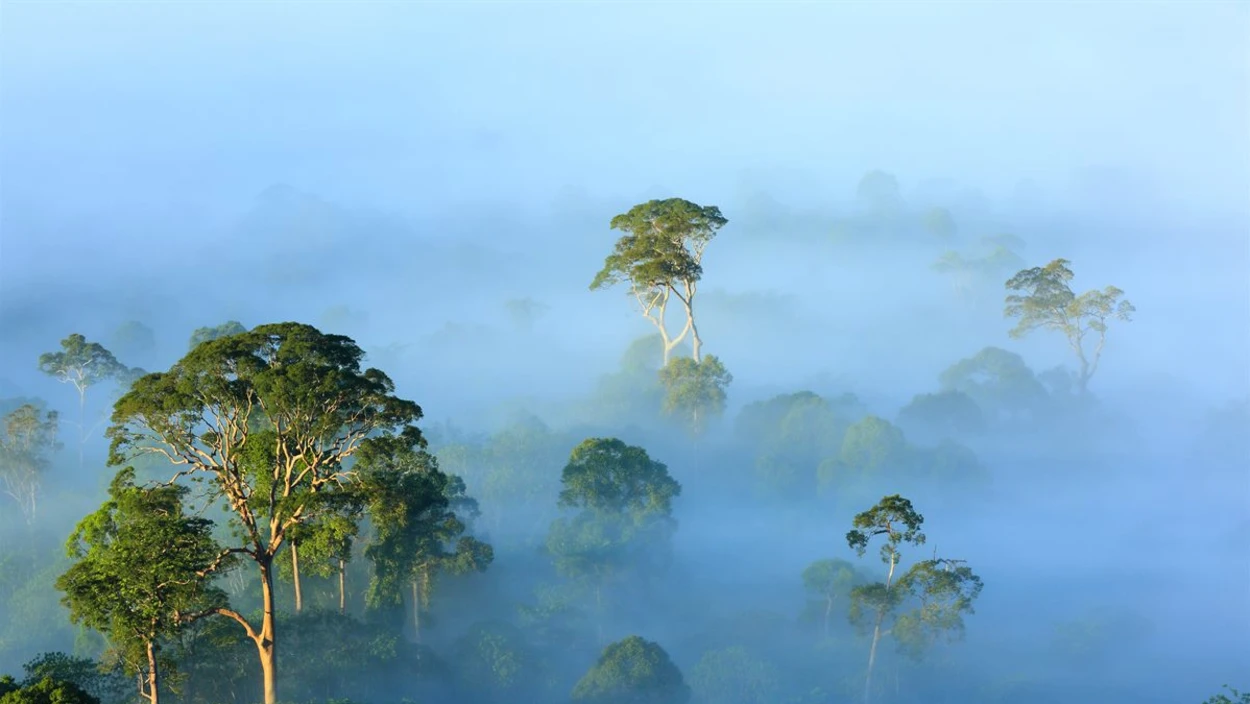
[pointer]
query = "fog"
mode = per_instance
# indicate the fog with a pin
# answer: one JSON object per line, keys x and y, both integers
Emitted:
{"x": 436, "y": 181}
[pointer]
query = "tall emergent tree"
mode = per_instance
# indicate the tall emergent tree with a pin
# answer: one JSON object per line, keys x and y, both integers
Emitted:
{"x": 1043, "y": 299}
{"x": 417, "y": 533}
{"x": 660, "y": 256}
{"x": 625, "y": 514}
{"x": 302, "y": 388}
{"x": 893, "y": 518}
{"x": 695, "y": 391}
{"x": 82, "y": 364}
{"x": 140, "y": 561}
{"x": 938, "y": 591}
{"x": 25, "y": 448}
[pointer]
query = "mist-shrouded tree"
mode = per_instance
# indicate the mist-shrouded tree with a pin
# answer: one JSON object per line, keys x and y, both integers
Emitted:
{"x": 624, "y": 521}
{"x": 632, "y": 671}
{"x": 1043, "y": 299}
{"x": 895, "y": 521}
{"x": 940, "y": 223}
{"x": 132, "y": 339}
{"x": 207, "y": 333}
{"x": 950, "y": 412}
{"x": 872, "y": 449}
{"x": 695, "y": 391}
{"x": 83, "y": 364}
{"x": 790, "y": 435}
{"x": 827, "y": 582}
{"x": 141, "y": 562}
{"x": 26, "y": 448}
{"x": 1000, "y": 382}
{"x": 494, "y": 663}
{"x": 288, "y": 381}
{"x": 943, "y": 592}
{"x": 660, "y": 257}
{"x": 417, "y": 532}
{"x": 110, "y": 685}
{"x": 525, "y": 312}
{"x": 734, "y": 675}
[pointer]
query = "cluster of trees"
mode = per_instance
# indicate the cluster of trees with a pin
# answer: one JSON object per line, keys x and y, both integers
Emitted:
{"x": 273, "y": 497}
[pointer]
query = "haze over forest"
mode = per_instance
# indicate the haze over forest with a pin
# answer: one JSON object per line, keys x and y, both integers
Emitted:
{"x": 438, "y": 182}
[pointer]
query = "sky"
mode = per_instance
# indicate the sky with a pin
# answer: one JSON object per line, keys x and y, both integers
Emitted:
{"x": 405, "y": 105}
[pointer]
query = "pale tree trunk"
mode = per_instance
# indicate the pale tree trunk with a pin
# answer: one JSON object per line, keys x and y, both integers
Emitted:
{"x": 153, "y": 683}
{"x": 876, "y": 632}
{"x": 299, "y": 592}
{"x": 82, "y": 423}
{"x": 696, "y": 343}
{"x": 828, "y": 614}
{"x": 342, "y": 586}
{"x": 266, "y": 639}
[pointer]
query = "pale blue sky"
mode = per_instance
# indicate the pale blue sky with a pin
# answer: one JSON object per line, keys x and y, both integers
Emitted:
{"x": 403, "y": 105}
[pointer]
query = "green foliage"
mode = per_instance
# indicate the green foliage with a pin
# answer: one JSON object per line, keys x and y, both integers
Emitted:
{"x": 789, "y": 436}
{"x": 828, "y": 582}
{"x": 943, "y": 413}
{"x": 1233, "y": 697}
{"x": 110, "y": 686}
{"x": 632, "y": 671}
{"x": 134, "y": 339}
{"x": 494, "y": 664}
{"x": 140, "y": 561}
{"x": 945, "y": 592}
{"x": 206, "y": 334}
{"x": 27, "y": 442}
{"x": 45, "y": 691}
{"x": 1043, "y": 299}
{"x": 625, "y": 519}
{"x": 417, "y": 533}
{"x": 894, "y": 518}
{"x": 872, "y": 449}
{"x": 81, "y": 363}
{"x": 999, "y": 382}
{"x": 734, "y": 676}
{"x": 695, "y": 391}
{"x": 662, "y": 244}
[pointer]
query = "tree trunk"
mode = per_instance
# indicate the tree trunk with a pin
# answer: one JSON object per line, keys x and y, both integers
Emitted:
{"x": 828, "y": 613}
{"x": 82, "y": 424}
{"x": 872, "y": 656}
{"x": 153, "y": 682}
{"x": 299, "y": 592}
{"x": 342, "y": 586}
{"x": 696, "y": 343}
{"x": 416, "y": 610}
{"x": 266, "y": 640}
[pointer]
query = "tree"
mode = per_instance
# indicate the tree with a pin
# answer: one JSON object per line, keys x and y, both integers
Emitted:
{"x": 205, "y": 334}
{"x": 625, "y": 513}
{"x": 25, "y": 449}
{"x": 660, "y": 256}
{"x": 999, "y": 382}
{"x": 418, "y": 535}
{"x": 632, "y": 671}
{"x": 695, "y": 391}
{"x": 790, "y": 434}
{"x": 894, "y": 519}
{"x": 287, "y": 381}
{"x": 110, "y": 686}
{"x": 1043, "y": 299}
{"x": 943, "y": 413}
{"x": 45, "y": 691}
{"x": 734, "y": 676}
{"x": 938, "y": 221}
{"x": 1233, "y": 697}
{"x": 133, "y": 339}
{"x": 827, "y": 581}
{"x": 945, "y": 591}
{"x": 140, "y": 561}
{"x": 82, "y": 364}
